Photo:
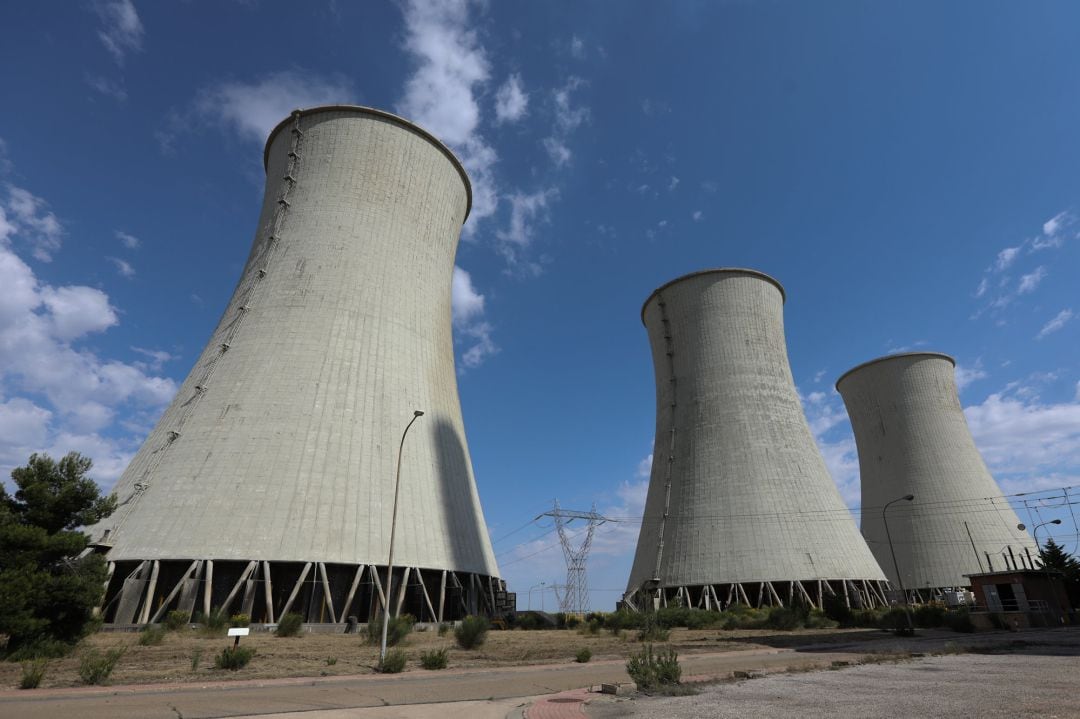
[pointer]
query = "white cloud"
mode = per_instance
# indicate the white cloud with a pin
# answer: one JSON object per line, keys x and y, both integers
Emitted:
{"x": 123, "y": 267}
{"x": 697, "y": 215}
{"x": 1055, "y": 324}
{"x": 110, "y": 88}
{"x": 77, "y": 311}
{"x": 1030, "y": 281}
{"x": 1026, "y": 438}
{"x": 559, "y": 153}
{"x": 984, "y": 285}
{"x": 1006, "y": 257}
{"x": 526, "y": 210}
{"x": 24, "y": 214}
{"x": 966, "y": 375}
{"x": 1052, "y": 231}
{"x": 156, "y": 358}
{"x": 469, "y": 325}
{"x": 568, "y": 117}
{"x": 673, "y": 183}
{"x": 253, "y": 109}
{"x": 440, "y": 95}
{"x": 466, "y": 302}
{"x": 511, "y": 102}
{"x": 129, "y": 241}
{"x": 577, "y": 47}
{"x": 644, "y": 470}
{"x": 76, "y": 394}
{"x": 121, "y": 31}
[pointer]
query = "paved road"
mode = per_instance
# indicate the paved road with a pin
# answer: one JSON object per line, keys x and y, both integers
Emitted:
{"x": 1037, "y": 681}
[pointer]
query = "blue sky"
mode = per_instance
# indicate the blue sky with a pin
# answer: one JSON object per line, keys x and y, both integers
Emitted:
{"x": 907, "y": 170}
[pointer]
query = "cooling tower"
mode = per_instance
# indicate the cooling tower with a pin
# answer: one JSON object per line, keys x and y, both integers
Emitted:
{"x": 741, "y": 507}
{"x": 913, "y": 439}
{"x": 268, "y": 484}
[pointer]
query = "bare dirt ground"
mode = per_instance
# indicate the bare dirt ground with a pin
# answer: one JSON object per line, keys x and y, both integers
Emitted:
{"x": 315, "y": 655}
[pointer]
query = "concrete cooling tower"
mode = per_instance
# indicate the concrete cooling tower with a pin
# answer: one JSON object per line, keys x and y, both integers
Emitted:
{"x": 741, "y": 507}
{"x": 268, "y": 484}
{"x": 913, "y": 439}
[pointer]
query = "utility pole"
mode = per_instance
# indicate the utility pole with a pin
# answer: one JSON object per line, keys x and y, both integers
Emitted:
{"x": 575, "y": 600}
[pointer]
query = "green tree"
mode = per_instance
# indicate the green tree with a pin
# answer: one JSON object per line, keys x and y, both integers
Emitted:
{"x": 1054, "y": 556}
{"x": 48, "y": 589}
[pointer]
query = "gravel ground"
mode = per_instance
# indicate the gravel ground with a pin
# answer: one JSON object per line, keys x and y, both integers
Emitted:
{"x": 1029, "y": 681}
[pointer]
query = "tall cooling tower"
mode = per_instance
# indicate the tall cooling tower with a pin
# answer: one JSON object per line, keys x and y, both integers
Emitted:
{"x": 267, "y": 486}
{"x": 741, "y": 507}
{"x": 913, "y": 439}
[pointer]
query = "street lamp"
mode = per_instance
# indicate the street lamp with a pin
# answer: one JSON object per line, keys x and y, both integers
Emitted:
{"x": 417, "y": 414}
{"x": 1035, "y": 533}
{"x": 896, "y": 567}
{"x": 541, "y": 584}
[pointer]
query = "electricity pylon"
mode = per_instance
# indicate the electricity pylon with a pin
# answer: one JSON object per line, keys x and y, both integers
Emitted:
{"x": 575, "y": 600}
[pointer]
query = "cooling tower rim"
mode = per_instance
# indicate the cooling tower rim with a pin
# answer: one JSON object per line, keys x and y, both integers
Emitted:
{"x": 383, "y": 114}
{"x": 715, "y": 270}
{"x": 898, "y": 355}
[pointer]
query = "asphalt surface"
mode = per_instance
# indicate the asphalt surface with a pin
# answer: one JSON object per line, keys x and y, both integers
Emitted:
{"x": 1037, "y": 680}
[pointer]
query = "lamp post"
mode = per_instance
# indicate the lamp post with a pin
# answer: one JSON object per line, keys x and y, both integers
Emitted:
{"x": 1035, "y": 533}
{"x": 896, "y": 567}
{"x": 417, "y": 414}
{"x": 541, "y": 584}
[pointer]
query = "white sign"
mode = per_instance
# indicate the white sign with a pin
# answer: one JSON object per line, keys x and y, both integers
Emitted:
{"x": 239, "y": 632}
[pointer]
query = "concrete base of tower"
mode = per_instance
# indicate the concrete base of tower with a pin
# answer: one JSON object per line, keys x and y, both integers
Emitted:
{"x": 144, "y": 592}
{"x": 855, "y": 593}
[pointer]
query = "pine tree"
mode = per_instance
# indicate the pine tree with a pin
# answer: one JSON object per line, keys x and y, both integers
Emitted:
{"x": 48, "y": 592}
{"x": 1054, "y": 556}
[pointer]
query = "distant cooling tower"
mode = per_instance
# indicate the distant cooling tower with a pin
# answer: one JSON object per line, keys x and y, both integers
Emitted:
{"x": 741, "y": 507}
{"x": 267, "y": 485}
{"x": 913, "y": 439}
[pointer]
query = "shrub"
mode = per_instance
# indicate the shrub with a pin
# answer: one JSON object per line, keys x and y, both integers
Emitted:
{"x": 929, "y": 616}
{"x": 592, "y": 626}
{"x": 151, "y": 635}
{"x": 240, "y": 620}
{"x": 445, "y": 628}
{"x": 654, "y": 671}
{"x": 289, "y": 625}
{"x": 215, "y": 623}
{"x": 196, "y": 657}
{"x": 40, "y": 649}
{"x": 234, "y": 658}
{"x": 652, "y": 631}
{"x": 835, "y": 609}
{"x": 331, "y": 661}
{"x": 95, "y": 667}
{"x": 32, "y": 673}
{"x": 895, "y": 619}
{"x": 393, "y": 663}
{"x": 560, "y": 620}
{"x": 435, "y": 659}
{"x": 583, "y": 655}
{"x": 472, "y": 632}
{"x": 817, "y": 619}
{"x": 960, "y": 621}
{"x": 396, "y": 629}
{"x": 785, "y": 618}
{"x": 572, "y": 621}
{"x": 867, "y": 617}
{"x": 176, "y": 620}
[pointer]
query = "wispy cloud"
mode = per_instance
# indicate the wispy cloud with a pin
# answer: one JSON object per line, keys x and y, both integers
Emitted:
{"x": 568, "y": 117}
{"x": 966, "y": 375}
{"x": 129, "y": 241}
{"x": 105, "y": 86}
{"x": 697, "y": 215}
{"x": 469, "y": 323}
{"x": 25, "y": 214}
{"x": 1030, "y": 281}
{"x": 121, "y": 30}
{"x": 526, "y": 210}
{"x": 1055, "y": 324}
{"x": 511, "y": 101}
{"x": 123, "y": 267}
{"x": 440, "y": 95}
{"x": 252, "y": 109}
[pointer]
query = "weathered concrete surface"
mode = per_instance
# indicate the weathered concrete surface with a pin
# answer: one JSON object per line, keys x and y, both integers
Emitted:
{"x": 750, "y": 498}
{"x": 913, "y": 438}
